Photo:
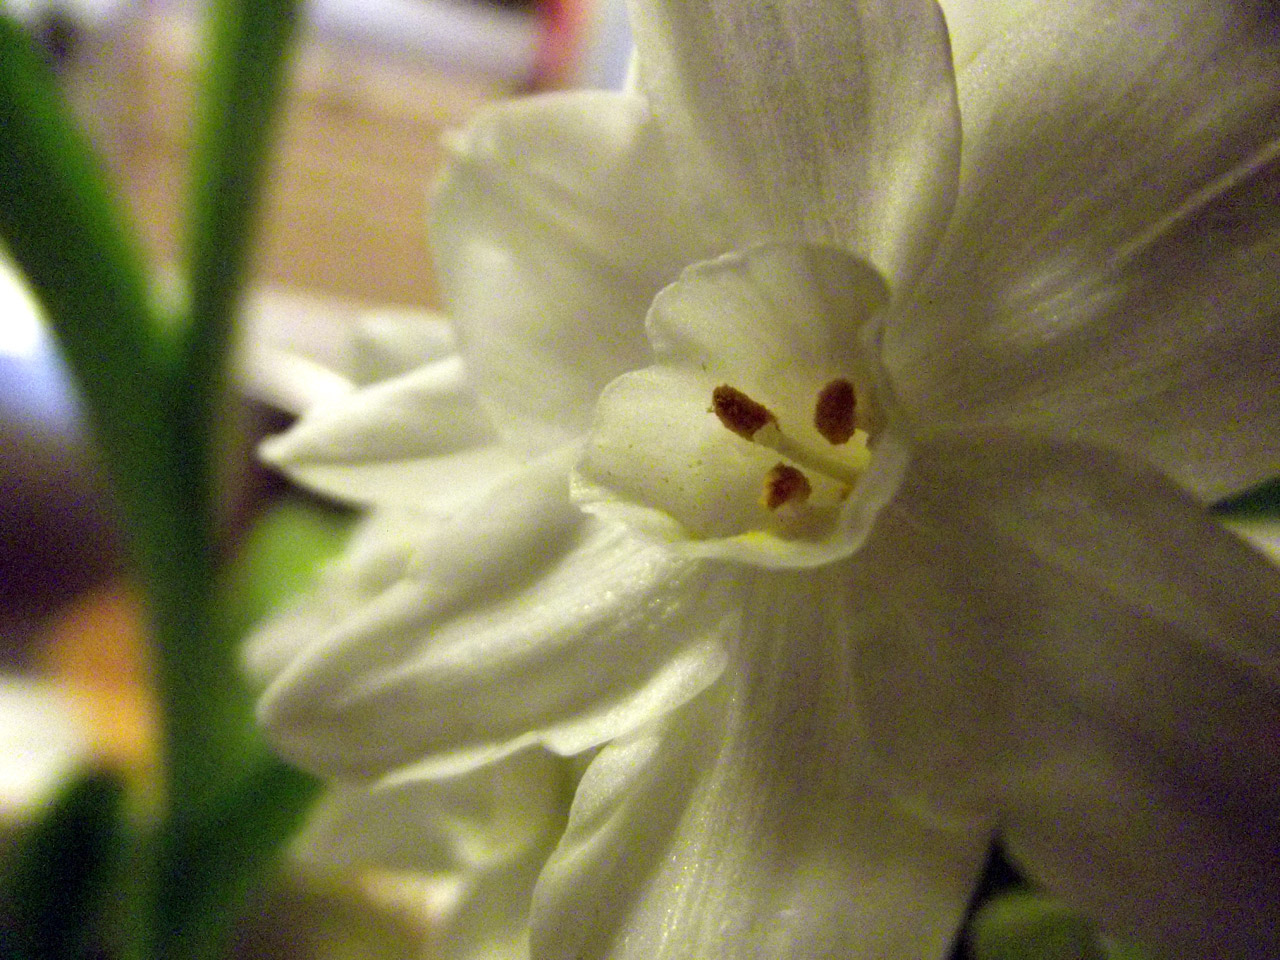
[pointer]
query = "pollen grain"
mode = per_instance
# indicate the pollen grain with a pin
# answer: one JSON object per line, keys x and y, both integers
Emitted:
{"x": 835, "y": 413}
{"x": 738, "y": 412}
{"x": 782, "y": 485}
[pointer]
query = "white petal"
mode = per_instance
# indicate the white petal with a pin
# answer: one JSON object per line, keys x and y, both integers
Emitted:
{"x": 420, "y": 441}
{"x": 1110, "y": 269}
{"x": 1262, "y": 532}
{"x": 483, "y": 837}
{"x": 456, "y": 825}
{"x": 45, "y": 745}
{"x": 777, "y": 322}
{"x": 491, "y": 919}
{"x": 293, "y": 349}
{"x": 1063, "y": 637}
{"x": 300, "y": 351}
{"x": 289, "y": 381}
{"x": 519, "y": 622}
{"x": 431, "y": 409}
{"x": 389, "y": 342}
{"x": 376, "y": 557}
{"x": 746, "y": 827}
{"x": 972, "y": 24}
{"x": 437, "y": 485}
{"x": 823, "y": 121}
{"x": 657, "y": 458}
{"x": 553, "y": 228}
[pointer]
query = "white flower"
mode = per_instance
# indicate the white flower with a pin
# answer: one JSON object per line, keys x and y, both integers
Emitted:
{"x": 458, "y": 855}
{"x": 1008, "y": 613}
{"x": 477, "y": 575}
{"x": 461, "y": 853}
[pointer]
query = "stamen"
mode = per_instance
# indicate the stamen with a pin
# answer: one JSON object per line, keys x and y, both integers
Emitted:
{"x": 740, "y": 413}
{"x": 755, "y": 422}
{"x": 784, "y": 484}
{"x": 834, "y": 414}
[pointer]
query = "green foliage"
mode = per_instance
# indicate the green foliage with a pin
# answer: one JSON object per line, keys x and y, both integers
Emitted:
{"x": 1260, "y": 502}
{"x": 211, "y": 862}
{"x": 281, "y": 556}
{"x": 235, "y": 123}
{"x": 1022, "y": 925}
{"x": 59, "y": 891}
{"x": 60, "y": 221}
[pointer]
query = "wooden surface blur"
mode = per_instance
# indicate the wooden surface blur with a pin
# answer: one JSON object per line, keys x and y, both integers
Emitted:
{"x": 359, "y": 147}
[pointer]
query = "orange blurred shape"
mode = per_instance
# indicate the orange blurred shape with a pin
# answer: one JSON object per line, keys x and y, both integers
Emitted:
{"x": 96, "y": 652}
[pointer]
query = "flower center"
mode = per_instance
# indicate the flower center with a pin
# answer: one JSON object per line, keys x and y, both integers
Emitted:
{"x": 832, "y": 472}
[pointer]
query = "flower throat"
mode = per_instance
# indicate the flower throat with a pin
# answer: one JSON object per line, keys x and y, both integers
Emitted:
{"x": 836, "y": 419}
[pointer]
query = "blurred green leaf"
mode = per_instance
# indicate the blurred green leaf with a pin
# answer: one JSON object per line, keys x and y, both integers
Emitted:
{"x": 213, "y": 863}
{"x": 1026, "y": 926}
{"x": 1023, "y": 925}
{"x": 58, "y": 900}
{"x": 207, "y": 710}
{"x": 281, "y": 556}
{"x": 1126, "y": 951}
{"x": 154, "y": 389}
{"x": 1262, "y": 501}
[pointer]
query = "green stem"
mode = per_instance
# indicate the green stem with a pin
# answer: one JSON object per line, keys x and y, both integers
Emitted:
{"x": 59, "y": 218}
{"x": 238, "y": 112}
{"x": 206, "y": 706}
{"x": 243, "y": 87}
{"x": 1260, "y": 501}
{"x": 56, "y": 900}
{"x": 213, "y": 864}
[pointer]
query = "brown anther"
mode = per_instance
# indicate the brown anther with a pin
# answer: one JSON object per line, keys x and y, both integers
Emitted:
{"x": 784, "y": 484}
{"x": 740, "y": 413}
{"x": 835, "y": 412}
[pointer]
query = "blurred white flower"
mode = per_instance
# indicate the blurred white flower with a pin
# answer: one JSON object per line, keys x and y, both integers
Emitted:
{"x": 454, "y": 858}
{"x": 459, "y": 854}
{"x": 982, "y": 594}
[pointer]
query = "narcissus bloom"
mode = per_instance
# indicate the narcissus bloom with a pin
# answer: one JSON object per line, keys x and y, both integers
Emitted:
{"x": 891, "y": 536}
{"x": 461, "y": 853}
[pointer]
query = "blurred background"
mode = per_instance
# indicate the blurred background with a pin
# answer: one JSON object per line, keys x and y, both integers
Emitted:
{"x": 375, "y": 83}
